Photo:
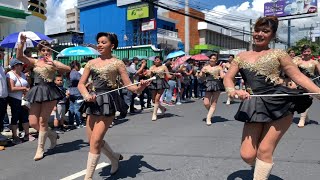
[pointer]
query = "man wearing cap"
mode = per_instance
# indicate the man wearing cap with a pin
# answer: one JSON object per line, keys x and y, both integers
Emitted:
{"x": 3, "y": 97}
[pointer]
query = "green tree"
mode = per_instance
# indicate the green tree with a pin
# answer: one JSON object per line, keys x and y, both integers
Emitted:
{"x": 315, "y": 46}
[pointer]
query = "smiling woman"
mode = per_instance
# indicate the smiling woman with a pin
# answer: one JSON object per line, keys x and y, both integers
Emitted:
{"x": 266, "y": 119}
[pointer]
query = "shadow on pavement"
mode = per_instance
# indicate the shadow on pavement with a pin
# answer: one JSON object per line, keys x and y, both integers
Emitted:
{"x": 217, "y": 119}
{"x": 168, "y": 115}
{"x": 248, "y": 174}
{"x": 67, "y": 147}
{"x": 296, "y": 121}
{"x": 119, "y": 121}
{"x": 232, "y": 102}
{"x": 129, "y": 168}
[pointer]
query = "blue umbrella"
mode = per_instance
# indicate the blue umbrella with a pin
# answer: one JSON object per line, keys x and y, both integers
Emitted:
{"x": 78, "y": 51}
{"x": 13, "y": 40}
{"x": 175, "y": 54}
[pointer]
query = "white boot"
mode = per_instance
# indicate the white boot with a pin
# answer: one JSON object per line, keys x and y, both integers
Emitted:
{"x": 154, "y": 114}
{"x": 53, "y": 137}
{"x": 41, "y": 142}
{"x": 303, "y": 119}
{"x": 113, "y": 156}
{"x": 163, "y": 109}
{"x": 92, "y": 162}
{"x": 228, "y": 101}
{"x": 209, "y": 115}
{"x": 262, "y": 170}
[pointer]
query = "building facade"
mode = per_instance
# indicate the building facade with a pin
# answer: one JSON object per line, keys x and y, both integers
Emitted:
{"x": 38, "y": 11}
{"x": 134, "y": 22}
{"x": 73, "y": 19}
{"x": 13, "y": 16}
{"x": 221, "y": 37}
{"x": 193, "y": 25}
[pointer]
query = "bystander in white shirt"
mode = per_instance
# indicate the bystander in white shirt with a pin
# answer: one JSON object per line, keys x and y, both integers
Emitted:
{"x": 3, "y": 83}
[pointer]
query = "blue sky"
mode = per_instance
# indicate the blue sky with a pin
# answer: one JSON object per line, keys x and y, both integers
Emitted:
{"x": 227, "y": 3}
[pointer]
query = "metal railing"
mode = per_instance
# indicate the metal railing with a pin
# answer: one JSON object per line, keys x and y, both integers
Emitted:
{"x": 168, "y": 33}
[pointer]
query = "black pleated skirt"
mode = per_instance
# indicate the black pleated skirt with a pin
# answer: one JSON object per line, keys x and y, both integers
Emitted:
{"x": 159, "y": 84}
{"x": 44, "y": 92}
{"x": 105, "y": 105}
{"x": 267, "y": 109}
{"x": 214, "y": 85}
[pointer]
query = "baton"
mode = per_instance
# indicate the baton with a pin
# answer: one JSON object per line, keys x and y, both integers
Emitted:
{"x": 151, "y": 79}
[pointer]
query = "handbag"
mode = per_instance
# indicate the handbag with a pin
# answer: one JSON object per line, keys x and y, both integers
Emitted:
{"x": 24, "y": 103}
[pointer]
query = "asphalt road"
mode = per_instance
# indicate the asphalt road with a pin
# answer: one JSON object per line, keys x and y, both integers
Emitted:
{"x": 178, "y": 146}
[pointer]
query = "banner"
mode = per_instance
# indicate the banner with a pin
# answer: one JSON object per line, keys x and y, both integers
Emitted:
{"x": 138, "y": 11}
{"x": 283, "y": 8}
{"x": 147, "y": 26}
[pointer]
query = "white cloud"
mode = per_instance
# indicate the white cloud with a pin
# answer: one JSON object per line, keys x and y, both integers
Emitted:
{"x": 244, "y": 6}
{"x": 56, "y": 14}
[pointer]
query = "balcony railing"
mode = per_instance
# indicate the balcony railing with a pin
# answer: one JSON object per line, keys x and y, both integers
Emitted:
{"x": 167, "y": 33}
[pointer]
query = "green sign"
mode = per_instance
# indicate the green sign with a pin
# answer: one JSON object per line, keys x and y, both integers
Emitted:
{"x": 138, "y": 12}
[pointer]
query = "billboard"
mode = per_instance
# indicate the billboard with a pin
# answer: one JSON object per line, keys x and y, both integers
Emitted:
{"x": 126, "y": 2}
{"x": 284, "y": 8}
{"x": 138, "y": 11}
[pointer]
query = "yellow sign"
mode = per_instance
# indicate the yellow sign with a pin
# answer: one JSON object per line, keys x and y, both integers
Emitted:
{"x": 138, "y": 12}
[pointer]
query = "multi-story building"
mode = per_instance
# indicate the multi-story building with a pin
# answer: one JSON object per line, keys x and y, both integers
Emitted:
{"x": 35, "y": 22}
{"x": 134, "y": 22}
{"x": 73, "y": 19}
{"x": 13, "y": 16}
{"x": 193, "y": 24}
{"x": 207, "y": 37}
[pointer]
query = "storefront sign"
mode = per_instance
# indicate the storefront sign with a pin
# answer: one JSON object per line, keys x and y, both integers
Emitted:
{"x": 138, "y": 12}
{"x": 147, "y": 26}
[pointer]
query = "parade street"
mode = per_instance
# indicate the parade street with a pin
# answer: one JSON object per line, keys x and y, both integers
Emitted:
{"x": 179, "y": 146}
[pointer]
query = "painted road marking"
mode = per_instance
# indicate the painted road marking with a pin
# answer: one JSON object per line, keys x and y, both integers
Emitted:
{"x": 82, "y": 173}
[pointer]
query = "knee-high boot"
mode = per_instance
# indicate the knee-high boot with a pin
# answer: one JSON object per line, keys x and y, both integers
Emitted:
{"x": 209, "y": 115}
{"x": 262, "y": 170}
{"x": 113, "y": 156}
{"x": 41, "y": 142}
{"x": 163, "y": 109}
{"x": 92, "y": 162}
{"x": 228, "y": 101}
{"x": 53, "y": 137}
{"x": 303, "y": 119}
{"x": 154, "y": 114}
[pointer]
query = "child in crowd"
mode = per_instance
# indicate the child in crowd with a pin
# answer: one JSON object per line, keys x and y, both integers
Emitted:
{"x": 59, "y": 110}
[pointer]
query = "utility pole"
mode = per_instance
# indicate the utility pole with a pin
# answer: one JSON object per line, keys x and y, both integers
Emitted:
{"x": 289, "y": 32}
{"x": 251, "y": 38}
{"x": 186, "y": 29}
{"x": 243, "y": 44}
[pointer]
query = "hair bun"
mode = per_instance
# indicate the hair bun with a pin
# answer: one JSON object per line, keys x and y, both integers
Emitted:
{"x": 273, "y": 18}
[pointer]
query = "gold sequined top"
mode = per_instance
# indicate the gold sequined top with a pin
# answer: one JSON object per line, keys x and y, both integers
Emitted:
{"x": 214, "y": 72}
{"x": 45, "y": 72}
{"x": 159, "y": 71}
{"x": 267, "y": 65}
{"x": 105, "y": 77}
{"x": 309, "y": 66}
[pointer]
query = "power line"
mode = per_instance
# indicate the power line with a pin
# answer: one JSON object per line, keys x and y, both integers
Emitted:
{"x": 198, "y": 18}
{"x": 203, "y": 8}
